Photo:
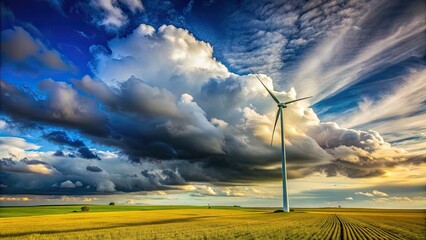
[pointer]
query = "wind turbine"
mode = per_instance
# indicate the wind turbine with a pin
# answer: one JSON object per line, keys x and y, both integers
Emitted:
{"x": 281, "y": 105}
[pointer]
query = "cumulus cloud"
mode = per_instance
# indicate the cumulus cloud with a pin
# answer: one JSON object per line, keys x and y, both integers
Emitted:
{"x": 349, "y": 198}
{"x": 70, "y": 184}
{"x": 15, "y": 146}
{"x": 25, "y": 53}
{"x": 27, "y": 166}
{"x": 170, "y": 56}
{"x": 67, "y": 184}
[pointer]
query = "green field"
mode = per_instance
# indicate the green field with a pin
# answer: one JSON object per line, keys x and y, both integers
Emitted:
{"x": 190, "y": 222}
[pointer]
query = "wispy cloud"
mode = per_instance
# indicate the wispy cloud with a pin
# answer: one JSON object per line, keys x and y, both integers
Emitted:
{"x": 399, "y": 114}
{"x": 372, "y": 194}
{"x": 346, "y": 57}
{"x": 367, "y": 194}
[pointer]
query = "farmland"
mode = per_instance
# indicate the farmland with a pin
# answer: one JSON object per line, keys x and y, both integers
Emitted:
{"x": 176, "y": 222}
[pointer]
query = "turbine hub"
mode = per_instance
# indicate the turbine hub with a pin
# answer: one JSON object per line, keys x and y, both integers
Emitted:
{"x": 282, "y": 105}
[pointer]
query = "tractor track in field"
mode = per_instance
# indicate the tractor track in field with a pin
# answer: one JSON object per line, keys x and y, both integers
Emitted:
{"x": 352, "y": 229}
{"x": 346, "y": 228}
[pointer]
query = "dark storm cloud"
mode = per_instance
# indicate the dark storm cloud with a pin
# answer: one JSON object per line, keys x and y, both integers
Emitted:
{"x": 86, "y": 153}
{"x": 164, "y": 177}
{"x": 172, "y": 178}
{"x": 93, "y": 169}
{"x": 132, "y": 96}
{"x": 351, "y": 170}
{"x": 62, "y": 106}
{"x": 225, "y": 94}
{"x": 26, "y": 53}
{"x": 330, "y": 135}
{"x": 59, "y": 153}
{"x": 61, "y": 137}
{"x": 33, "y": 162}
{"x": 202, "y": 152}
{"x": 367, "y": 167}
{"x": 27, "y": 166}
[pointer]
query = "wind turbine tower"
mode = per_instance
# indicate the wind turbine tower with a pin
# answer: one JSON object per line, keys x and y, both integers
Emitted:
{"x": 281, "y": 106}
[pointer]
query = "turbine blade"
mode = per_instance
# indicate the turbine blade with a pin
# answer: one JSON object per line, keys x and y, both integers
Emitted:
{"x": 275, "y": 125}
{"x": 270, "y": 93}
{"x": 297, "y": 100}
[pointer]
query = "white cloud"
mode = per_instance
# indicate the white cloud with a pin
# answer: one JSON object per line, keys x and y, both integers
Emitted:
{"x": 407, "y": 98}
{"x": 3, "y": 124}
{"x": 67, "y": 184}
{"x": 349, "y": 198}
{"x": 378, "y": 193}
{"x": 394, "y": 199}
{"x": 347, "y": 72}
{"x": 27, "y": 166}
{"x": 398, "y": 114}
{"x": 16, "y": 146}
{"x": 112, "y": 16}
{"x": 367, "y": 194}
{"x": 168, "y": 57}
{"x": 269, "y": 41}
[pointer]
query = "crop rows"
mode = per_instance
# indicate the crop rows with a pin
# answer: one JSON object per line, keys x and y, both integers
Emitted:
{"x": 330, "y": 229}
{"x": 213, "y": 224}
{"x": 348, "y": 228}
{"x": 354, "y": 229}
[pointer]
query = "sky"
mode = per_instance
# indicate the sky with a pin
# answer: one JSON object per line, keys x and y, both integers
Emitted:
{"x": 153, "y": 102}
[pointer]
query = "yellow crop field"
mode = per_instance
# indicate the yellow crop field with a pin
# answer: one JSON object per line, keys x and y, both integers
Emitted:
{"x": 229, "y": 223}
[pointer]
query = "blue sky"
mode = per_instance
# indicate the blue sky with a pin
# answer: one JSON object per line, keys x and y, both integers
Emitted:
{"x": 152, "y": 102}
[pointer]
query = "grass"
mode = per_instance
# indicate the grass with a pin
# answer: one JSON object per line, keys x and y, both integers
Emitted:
{"x": 191, "y": 222}
{"x": 64, "y": 209}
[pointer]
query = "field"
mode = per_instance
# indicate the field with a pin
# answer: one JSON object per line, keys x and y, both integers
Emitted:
{"x": 178, "y": 222}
